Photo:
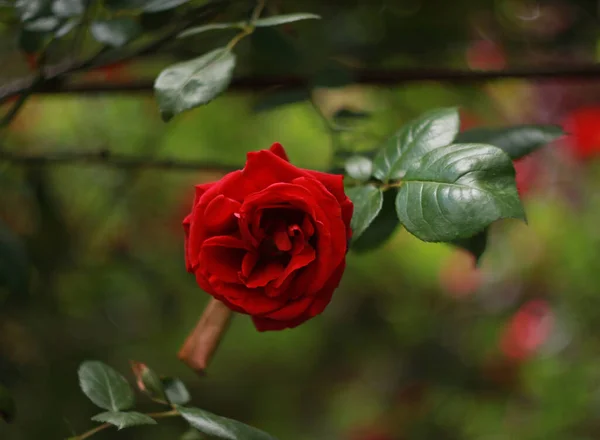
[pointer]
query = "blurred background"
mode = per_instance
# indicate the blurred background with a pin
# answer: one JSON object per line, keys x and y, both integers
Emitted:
{"x": 416, "y": 343}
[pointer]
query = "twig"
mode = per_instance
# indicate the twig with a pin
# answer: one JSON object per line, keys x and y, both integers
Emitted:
{"x": 106, "y": 158}
{"x": 287, "y": 82}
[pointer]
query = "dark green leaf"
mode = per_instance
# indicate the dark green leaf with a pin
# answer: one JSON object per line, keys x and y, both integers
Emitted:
{"x": 516, "y": 141}
{"x": 359, "y": 167}
{"x": 281, "y": 98}
{"x": 67, "y": 27}
{"x": 30, "y": 9}
{"x": 105, "y": 387}
{"x": 221, "y": 427}
{"x": 475, "y": 245}
{"x": 282, "y": 19}
{"x": 7, "y": 405}
{"x": 162, "y": 5}
{"x": 67, "y": 8}
{"x": 43, "y": 24}
{"x": 432, "y": 130}
{"x": 14, "y": 262}
{"x": 190, "y": 84}
{"x": 115, "y": 32}
{"x": 176, "y": 391}
{"x": 148, "y": 382}
{"x": 32, "y": 42}
{"x": 367, "y": 200}
{"x": 455, "y": 192}
{"x": 207, "y": 27}
{"x": 124, "y": 419}
{"x": 382, "y": 228}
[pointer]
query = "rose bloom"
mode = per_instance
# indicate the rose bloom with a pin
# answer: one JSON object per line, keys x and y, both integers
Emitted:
{"x": 270, "y": 240}
{"x": 583, "y": 128}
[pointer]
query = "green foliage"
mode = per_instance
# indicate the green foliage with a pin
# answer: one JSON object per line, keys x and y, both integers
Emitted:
{"x": 368, "y": 200}
{"x": 207, "y": 27}
{"x": 516, "y": 141}
{"x": 115, "y": 32}
{"x": 221, "y": 427}
{"x": 359, "y": 167}
{"x": 190, "y": 84}
{"x": 7, "y": 405}
{"x": 176, "y": 391}
{"x": 124, "y": 419}
{"x": 455, "y": 192}
{"x": 277, "y": 20}
{"x": 14, "y": 263}
{"x": 67, "y": 8}
{"x": 105, "y": 387}
{"x": 382, "y": 227}
{"x": 433, "y": 130}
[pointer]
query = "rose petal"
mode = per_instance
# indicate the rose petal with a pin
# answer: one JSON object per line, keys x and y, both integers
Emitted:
{"x": 248, "y": 263}
{"x": 222, "y": 257}
{"x": 297, "y": 262}
{"x": 279, "y": 151}
{"x": 264, "y": 274}
{"x": 219, "y": 215}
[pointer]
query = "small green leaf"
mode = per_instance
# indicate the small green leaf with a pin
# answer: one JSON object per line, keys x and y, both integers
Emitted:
{"x": 367, "y": 200}
{"x": 455, "y": 192}
{"x": 221, "y": 427}
{"x": 115, "y": 32}
{"x": 30, "y": 9}
{"x": 176, "y": 391}
{"x": 190, "y": 84}
{"x": 43, "y": 24}
{"x": 282, "y": 19}
{"x": 475, "y": 245}
{"x": 359, "y": 167}
{"x": 105, "y": 387}
{"x": 432, "y": 130}
{"x": 162, "y": 5}
{"x": 382, "y": 228}
{"x": 207, "y": 27}
{"x": 148, "y": 381}
{"x": 67, "y": 8}
{"x": 124, "y": 419}
{"x": 7, "y": 405}
{"x": 67, "y": 27}
{"x": 516, "y": 141}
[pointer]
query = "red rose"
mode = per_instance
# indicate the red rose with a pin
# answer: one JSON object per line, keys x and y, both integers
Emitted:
{"x": 270, "y": 240}
{"x": 583, "y": 127}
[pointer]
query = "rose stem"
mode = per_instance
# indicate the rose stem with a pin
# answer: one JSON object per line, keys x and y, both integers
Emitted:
{"x": 202, "y": 342}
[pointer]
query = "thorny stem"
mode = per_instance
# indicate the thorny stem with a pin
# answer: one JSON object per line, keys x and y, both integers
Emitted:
{"x": 91, "y": 432}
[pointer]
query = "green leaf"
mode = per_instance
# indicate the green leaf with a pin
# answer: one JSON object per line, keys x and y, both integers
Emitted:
{"x": 282, "y": 19}
{"x": 7, "y": 405}
{"x": 30, "y": 9}
{"x": 149, "y": 382}
{"x": 475, "y": 245}
{"x": 221, "y": 427}
{"x": 14, "y": 262}
{"x": 105, "y": 387}
{"x": 368, "y": 201}
{"x": 359, "y": 167}
{"x": 190, "y": 84}
{"x": 432, "y": 130}
{"x": 176, "y": 391}
{"x": 43, "y": 24}
{"x": 516, "y": 141}
{"x": 67, "y": 27}
{"x": 455, "y": 192}
{"x": 124, "y": 419}
{"x": 162, "y": 5}
{"x": 115, "y": 32}
{"x": 67, "y": 8}
{"x": 382, "y": 228}
{"x": 207, "y": 27}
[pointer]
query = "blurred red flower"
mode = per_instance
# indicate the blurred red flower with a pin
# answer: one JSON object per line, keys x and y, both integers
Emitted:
{"x": 583, "y": 129}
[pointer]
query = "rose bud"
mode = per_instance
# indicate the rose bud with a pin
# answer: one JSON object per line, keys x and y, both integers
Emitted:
{"x": 270, "y": 240}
